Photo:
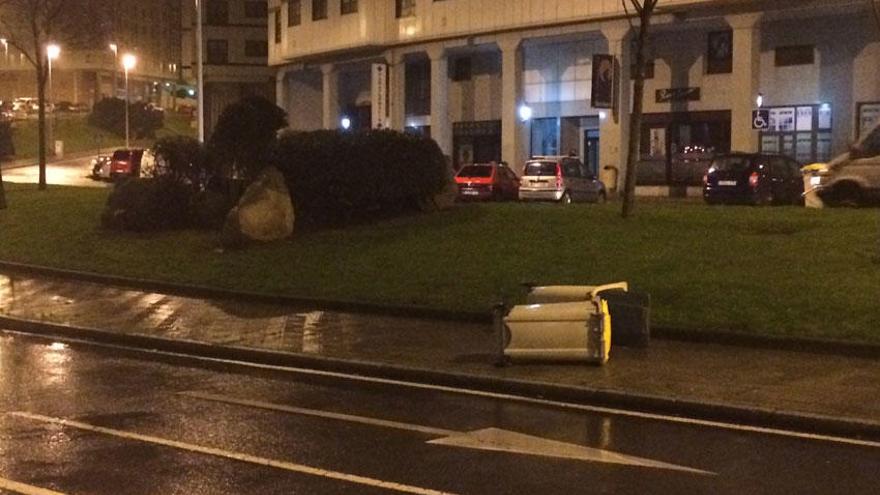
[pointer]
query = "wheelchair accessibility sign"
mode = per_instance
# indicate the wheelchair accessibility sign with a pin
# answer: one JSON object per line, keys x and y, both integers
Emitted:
{"x": 761, "y": 119}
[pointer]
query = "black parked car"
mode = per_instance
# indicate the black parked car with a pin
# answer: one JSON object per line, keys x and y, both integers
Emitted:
{"x": 757, "y": 179}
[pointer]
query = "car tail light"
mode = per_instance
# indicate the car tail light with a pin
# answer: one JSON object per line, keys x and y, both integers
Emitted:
{"x": 558, "y": 176}
{"x": 705, "y": 179}
{"x": 753, "y": 180}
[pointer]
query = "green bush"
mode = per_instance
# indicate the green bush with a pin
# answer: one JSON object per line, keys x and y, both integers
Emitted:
{"x": 183, "y": 159}
{"x": 339, "y": 177}
{"x": 7, "y": 146}
{"x": 151, "y": 204}
{"x": 244, "y": 136}
{"x": 143, "y": 119}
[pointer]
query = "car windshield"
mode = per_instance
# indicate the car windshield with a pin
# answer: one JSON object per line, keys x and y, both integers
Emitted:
{"x": 476, "y": 171}
{"x": 540, "y": 168}
{"x": 731, "y": 163}
{"x": 120, "y": 155}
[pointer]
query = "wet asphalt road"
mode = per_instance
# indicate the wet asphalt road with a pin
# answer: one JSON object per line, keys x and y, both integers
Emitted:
{"x": 68, "y": 172}
{"x": 154, "y": 424}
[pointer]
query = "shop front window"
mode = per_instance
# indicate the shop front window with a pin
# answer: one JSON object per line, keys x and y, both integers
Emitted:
{"x": 545, "y": 137}
{"x": 802, "y": 132}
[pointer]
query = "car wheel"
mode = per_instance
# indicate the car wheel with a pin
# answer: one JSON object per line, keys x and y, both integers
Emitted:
{"x": 565, "y": 199}
{"x": 602, "y": 198}
{"x": 765, "y": 198}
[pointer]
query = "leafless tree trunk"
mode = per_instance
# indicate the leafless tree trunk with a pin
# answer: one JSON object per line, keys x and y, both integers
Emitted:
{"x": 2, "y": 189}
{"x": 645, "y": 10}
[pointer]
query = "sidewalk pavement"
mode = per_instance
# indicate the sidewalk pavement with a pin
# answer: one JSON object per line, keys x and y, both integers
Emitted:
{"x": 798, "y": 389}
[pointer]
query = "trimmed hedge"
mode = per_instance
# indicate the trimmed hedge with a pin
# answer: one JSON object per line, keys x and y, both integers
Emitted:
{"x": 337, "y": 177}
{"x": 145, "y": 205}
{"x": 243, "y": 138}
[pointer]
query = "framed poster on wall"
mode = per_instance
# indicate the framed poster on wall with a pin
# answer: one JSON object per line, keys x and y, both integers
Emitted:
{"x": 869, "y": 117}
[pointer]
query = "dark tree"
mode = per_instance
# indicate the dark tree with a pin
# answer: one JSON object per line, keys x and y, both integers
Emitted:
{"x": 244, "y": 135}
{"x": 644, "y": 10}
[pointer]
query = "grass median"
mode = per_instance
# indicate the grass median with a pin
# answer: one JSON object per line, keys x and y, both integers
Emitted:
{"x": 774, "y": 271}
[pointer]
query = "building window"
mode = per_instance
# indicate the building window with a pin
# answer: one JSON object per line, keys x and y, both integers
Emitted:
{"x": 256, "y": 10}
{"x": 294, "y": 12}
{"x": 218, "y": 52}
{"x": 795, "y": 55}
{"x": 348, "y": 7}
{"x": 462, "y": 69}
{"x": 418, "y": 87}
{"x": 218, "y": 12}
{"x": 404, "y": 8}
{"x": 319, "y": 10}
{"x": 277, "y": 23}
{"x": 719, "y": 57}
{"x": 256, "y": 48}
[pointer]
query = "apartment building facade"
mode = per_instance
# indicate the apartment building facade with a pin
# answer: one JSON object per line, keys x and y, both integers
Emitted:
{"x": 509, "y": 79}
{"x": 235, "y": 51}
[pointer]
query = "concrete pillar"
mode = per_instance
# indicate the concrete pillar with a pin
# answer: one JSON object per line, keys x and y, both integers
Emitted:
{"x": 514, "y": 132}
{"x": 441, "y": 127}
{"x": 281, "y": 89}
{"x": 744, "y": 80}
{"x": 330, "y": 96}
{"x": 614, "y": 127}
{"x": 397, "y": 89}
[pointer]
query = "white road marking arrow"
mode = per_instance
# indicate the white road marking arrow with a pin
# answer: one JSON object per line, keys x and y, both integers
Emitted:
{"x": 489, "y": 439}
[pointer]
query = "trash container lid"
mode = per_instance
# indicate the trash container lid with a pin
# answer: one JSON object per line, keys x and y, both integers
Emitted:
{"x": 568, "y": 311}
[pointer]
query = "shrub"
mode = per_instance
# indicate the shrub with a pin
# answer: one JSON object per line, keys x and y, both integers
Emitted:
{"x": 109, "y": 114}
{"x": 184, "y": 160}
{"x": 337, "y": 177}
{"x": 7, "y": 146}
{"x": 244, "y": 135}
{"x": 144, "y": 205}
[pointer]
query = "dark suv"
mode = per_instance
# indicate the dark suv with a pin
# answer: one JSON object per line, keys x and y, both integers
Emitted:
{"x": 748, "y": 178}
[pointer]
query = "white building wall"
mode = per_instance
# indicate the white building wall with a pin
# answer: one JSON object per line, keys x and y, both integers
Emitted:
{"x": 479, "y": 98}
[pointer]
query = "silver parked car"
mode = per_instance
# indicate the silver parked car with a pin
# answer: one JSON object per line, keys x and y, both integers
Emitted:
{"x": 560, "y": 178}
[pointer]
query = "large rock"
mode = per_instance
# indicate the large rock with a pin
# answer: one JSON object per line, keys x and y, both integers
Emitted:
{"x": 265, "y": 212}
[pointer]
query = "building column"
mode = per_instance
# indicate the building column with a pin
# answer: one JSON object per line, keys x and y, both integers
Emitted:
{"x": 614, "y": 127}
{"x": 281, "y": 89}
{"x": 330, "y": 96}
{"x": 514, "y": 132}
{"x": 744, "y": 80}
{"x": 441, "y": 127}
{"x": 397, "y": 89}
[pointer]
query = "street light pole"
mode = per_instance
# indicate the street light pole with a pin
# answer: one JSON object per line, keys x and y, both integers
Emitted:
{"x": 52, "y": 53}
{"x": 200, "y": 76}
{"x": 128, "y": 63}
{"x": 115, "y": 49}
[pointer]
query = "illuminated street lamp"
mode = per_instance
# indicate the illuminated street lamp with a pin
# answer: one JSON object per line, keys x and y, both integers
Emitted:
{"x": 128, "y": 63}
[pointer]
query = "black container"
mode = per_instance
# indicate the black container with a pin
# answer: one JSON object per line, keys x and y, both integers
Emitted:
{"x": 630, "y": 317}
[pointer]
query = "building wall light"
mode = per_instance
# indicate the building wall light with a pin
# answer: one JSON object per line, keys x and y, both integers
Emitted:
{"x": 346, "y": 123}
{"x": 525, "y": 113}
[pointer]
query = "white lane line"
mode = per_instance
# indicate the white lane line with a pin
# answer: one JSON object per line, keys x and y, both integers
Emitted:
{"x": 236, "y": 456}
{"x": 23, "y": 489}
{"x": 486, "y": 395}
{"x": 488, "y": 439}
{"x": 440, "y": 432}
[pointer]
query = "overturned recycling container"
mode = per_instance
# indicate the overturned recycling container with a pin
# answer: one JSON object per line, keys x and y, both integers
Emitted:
{"x": 630, "y": 309}
{"x": 567, "y": 331}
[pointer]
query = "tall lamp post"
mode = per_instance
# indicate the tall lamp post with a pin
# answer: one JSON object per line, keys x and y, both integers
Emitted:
{"x": 53, "y": 51}
{"x": 115, "y": 49}
{"x": 200, "y": 76}
{"x": 5, "y": 43}
{"x": 128, "y": 63}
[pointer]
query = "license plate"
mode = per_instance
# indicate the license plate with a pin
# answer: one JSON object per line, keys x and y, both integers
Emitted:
{"x": 726, "y": 182}
{"x": 470, "y": 192}
{"x": 815, "y": 181}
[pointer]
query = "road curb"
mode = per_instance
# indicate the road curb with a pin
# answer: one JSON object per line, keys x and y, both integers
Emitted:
{"x": 30, "y": 162}
{"x": 739, "y": 339}
{"x": 702, "y": 410}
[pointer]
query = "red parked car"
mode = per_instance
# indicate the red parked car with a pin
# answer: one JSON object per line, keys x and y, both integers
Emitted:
{"x": 491, "y": 181}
